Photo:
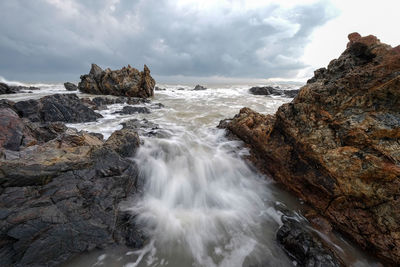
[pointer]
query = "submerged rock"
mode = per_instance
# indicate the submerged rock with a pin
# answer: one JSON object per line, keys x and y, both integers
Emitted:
{"x": 70, "y": 86}
{"x": 268, "y": 90}
{"x": 336, "y": 144}
{"x": 145, "y": 128}
{"x": 133, "y": 110}
{"x": 127, "y": 81}
{"x": 59, "y": 107}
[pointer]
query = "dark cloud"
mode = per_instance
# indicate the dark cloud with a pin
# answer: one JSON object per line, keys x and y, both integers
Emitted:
{"x": 58, "y": 39}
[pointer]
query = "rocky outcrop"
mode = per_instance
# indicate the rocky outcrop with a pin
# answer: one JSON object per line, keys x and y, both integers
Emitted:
{"x": 62, "y": 197}
{"x": 336, "y": 144}
{"x": 59, "y": 107}
{"x": 268, "y": 90}
{"x": 127, "y": 81}
{"x": 13, "y": 89}
{"x": 70, "y": 86}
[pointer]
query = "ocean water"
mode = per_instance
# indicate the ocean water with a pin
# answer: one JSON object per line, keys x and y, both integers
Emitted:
{"x": 202, "y": 203}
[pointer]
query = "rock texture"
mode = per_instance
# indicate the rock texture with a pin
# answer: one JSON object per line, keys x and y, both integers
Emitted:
{"x": 127, "y": 81}
{"x": 59, "y": 107}
{"x": 63, "y": 197}
{"x": 70, "y": 86}
{"x": 268, "y": 90}
{"x": 336, "y": 145}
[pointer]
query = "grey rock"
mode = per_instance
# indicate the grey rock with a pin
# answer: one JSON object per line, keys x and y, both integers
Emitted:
{"x": 70, "y": 86}
{"x": 268, "y": 90}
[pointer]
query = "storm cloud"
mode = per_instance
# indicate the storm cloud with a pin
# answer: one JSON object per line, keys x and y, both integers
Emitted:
{"x": 56, "y": 40}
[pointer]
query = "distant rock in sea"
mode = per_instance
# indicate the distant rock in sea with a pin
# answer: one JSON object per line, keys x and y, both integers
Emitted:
{"x": 13, "y": 89}
{"x": 70, "y": 86}
{"x": 198, "y": 88}
{"x": 127, "y": 81}
{"x": 336, "y": 145}
{"x": 268, "y": 90}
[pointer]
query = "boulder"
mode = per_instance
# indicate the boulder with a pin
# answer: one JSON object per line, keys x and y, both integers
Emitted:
{"x": 127, "y": 81}
{"x": 11, "y": 129}
{"x": 336, "y": 144}
{"x": 197, "y": 88}
{"x": 70, "y": 86}
{"x": 59, "y": 107}
{"x": 63, "y": 198}
{"x": 268, "y": 90}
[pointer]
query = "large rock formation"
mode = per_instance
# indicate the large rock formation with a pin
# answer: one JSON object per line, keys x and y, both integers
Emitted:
{"x": 336, "y": 145}
{"x": 60, "y": 196}
{"x": 127, "y": 81}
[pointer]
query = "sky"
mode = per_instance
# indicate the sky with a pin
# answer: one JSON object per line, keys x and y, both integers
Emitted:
{"x": 185, "y": 40}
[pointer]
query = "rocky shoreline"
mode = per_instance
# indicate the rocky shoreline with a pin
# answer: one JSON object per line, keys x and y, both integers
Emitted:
{"x": 336, "y": 144}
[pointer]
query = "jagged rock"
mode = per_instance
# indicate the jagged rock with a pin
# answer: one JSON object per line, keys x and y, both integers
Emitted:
{"x": 59, "y": 107}
{"x": 198, "y": 88}
{"x": 70, "y": 86}
{"x": 127, "y": 81}
{"x": 62, "y": 198}
{"x": 336, "y": 144}
{"x": 133, "y": 110}
{"x": 268, "y": 90}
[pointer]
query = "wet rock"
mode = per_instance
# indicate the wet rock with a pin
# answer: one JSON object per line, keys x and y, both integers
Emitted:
{"x": 63, "y": 198}
{"x": 145, "y": 128}
{"x": 159, "y": 89}
{"x": 59, "y": 107}
{"x": 133, "y": 110}
{"x": 199, "y": 88}
{"x": 127, "y": 81}
{"x": 302, "y": 246}
{"x": 5, "y": 89}
{"x": 70, "y": 86}
{"x": 268, "y": 90}
{"x": 12, "y": 89}
{"x": 336, "y": 144}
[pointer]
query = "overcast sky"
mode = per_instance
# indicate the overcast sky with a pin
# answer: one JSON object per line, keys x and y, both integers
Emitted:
{"x": 57, "y": 40}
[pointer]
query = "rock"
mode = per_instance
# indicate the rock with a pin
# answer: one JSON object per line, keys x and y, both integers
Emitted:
{"x": 198, "y": 88}
{"x": 62, "y": 198}
{"x": 145, "y": 128}
{"x": 268, "y": 90}
{"x": 11, "y": 129}
{"x": 159, "y": 89}
{"x": 59, "y": 107}
{"x": 70, "y": 86}
{"x": 133, "y": 110}
{"x": 13, "y": 89}
{"x": 127, "y": 81}
{"x": 302, "y": 246}
{"x": 124, "y": 142}
{"x": 336, "y": 144}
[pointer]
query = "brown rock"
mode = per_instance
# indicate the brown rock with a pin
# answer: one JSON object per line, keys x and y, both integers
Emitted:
{"x": 11, "y": 129}
{"x": 127, "y": 81}
{"x": 336, "y": 144}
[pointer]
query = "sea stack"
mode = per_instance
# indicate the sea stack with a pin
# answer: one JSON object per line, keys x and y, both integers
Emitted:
{"x": 127, "y": 81}
{"x": 336, "y": 145}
